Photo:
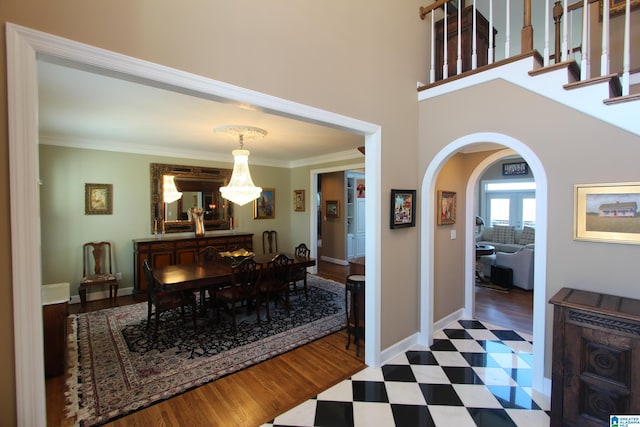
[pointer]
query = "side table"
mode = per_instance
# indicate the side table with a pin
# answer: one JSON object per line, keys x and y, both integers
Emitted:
{"x": 355, "y": 308}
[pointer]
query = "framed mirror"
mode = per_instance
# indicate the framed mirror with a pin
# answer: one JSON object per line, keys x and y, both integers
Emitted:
{"x": 200, "y": 187}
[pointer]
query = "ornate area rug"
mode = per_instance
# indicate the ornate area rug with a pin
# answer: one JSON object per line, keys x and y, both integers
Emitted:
{"x": 120, "y": 369}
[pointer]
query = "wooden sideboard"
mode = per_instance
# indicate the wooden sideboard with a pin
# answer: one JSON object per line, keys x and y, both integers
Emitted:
{"x": 180, "y": 250}
{"x": 466, "y": 41}
{"x": 596, "y": 358}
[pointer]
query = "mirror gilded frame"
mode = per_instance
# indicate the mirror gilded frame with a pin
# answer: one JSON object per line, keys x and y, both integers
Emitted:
{"x": 218, "y": 211}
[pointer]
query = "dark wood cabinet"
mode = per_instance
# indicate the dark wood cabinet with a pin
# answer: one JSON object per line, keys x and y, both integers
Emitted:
{"x": 466, "y": 41}
{"x": 596, "y": 358}
{"x": 55, "y": 309}
{"x": 180, "y": 250}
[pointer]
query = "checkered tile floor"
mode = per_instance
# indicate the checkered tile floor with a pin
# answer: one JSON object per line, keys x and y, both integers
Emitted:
{"x": 474, "y": 374}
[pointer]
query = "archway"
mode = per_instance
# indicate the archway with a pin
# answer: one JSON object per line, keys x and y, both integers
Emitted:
{"x": 427, "y": 241}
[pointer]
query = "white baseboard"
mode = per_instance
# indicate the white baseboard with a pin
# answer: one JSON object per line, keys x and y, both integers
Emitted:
{"x": 334, "y": 260}
{"x": 445, "y": 321}
{"x": 94, "y": 296}
{"x": 398, "y": 349}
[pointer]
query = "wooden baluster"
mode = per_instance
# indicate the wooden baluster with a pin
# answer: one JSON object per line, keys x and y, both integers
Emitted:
{"x": 526, "y": 44}
{"x": 557, "y": 19}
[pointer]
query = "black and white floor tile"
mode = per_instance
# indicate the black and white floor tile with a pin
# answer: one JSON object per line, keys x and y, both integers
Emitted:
{"x": 474, "y": 374}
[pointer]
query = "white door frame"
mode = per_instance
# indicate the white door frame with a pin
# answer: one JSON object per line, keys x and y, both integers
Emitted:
{"x": 24, "y": 46}
{"x": 540, "y": 383}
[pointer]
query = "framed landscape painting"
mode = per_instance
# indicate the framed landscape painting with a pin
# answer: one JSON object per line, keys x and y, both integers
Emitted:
{"x": 607, "y": 212}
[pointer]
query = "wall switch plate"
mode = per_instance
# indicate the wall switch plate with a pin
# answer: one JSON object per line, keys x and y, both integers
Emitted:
{"x": 119, "y": 276}
{"x": 453, "y": 234}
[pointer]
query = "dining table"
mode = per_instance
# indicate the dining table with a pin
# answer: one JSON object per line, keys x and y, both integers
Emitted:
{"x": 197, "y": 276}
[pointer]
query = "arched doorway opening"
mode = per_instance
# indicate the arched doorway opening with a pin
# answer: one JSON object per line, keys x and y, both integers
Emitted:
{"x": 512, "y": 146}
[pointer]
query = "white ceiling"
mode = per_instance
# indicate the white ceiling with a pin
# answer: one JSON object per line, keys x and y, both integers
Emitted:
{"x": 87, "y": 108}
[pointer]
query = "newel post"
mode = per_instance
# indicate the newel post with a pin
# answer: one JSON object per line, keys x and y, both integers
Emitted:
{"x": 527, "y": 29}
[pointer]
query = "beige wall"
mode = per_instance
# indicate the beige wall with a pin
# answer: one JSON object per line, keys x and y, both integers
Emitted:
{"x": 358, "y": 58}
{"x": 573, "y": 148}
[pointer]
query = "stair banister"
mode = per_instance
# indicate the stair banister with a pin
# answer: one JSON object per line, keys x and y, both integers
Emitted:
{"x": 507, "y": 42}
{"x": 526, "y": 41}
{"x": 432, "y": 70}
{"x": 626, "y": 61}
{"x": 445, "y": 33}
{"x": 604, "y": 57}
{"x": 565, "y": 35}
{"x": 474, "y": 41}
{"x": 546, "y": 33}
{"x": 490, "y": 59}
{"x": 459, "y": 58}
{"x": 585, "y": 61}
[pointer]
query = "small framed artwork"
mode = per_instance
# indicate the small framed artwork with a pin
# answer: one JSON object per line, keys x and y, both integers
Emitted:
{"x": 98, "y": 199}
{"x": 298, "y": 200}
{"x": 446, "y": 207}
{"x": 517, "y": 168}
{"x": 264, "y": 207}
{"x": 403, "y": 208}
{"x": 332, "y": 209}
{"x": 618, "y": 7}
{"x": 607, "y": 212}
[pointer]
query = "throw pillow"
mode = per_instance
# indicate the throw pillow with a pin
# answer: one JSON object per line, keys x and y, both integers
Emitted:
{"x": 504, "y": 234}
{"x": 528, "y": 236}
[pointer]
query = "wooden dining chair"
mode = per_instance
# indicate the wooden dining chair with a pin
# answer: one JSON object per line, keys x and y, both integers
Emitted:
{"x": 269, "y": 241}
{"x": 245, "y": 277}
{"x": 208, "y": 255}
{"x": 300, "y": 273}
{"x": 275, "y": 283}
{"x": 97, "y": 269}
{"x": 164, "y": 301}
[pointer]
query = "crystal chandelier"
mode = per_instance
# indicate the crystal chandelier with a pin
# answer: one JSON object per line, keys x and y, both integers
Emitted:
{"x": 170, "y": 192}
{"x": 241, "y": 189}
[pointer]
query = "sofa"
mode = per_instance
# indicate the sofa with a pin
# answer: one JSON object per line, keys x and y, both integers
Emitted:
{"x": 515, "y": 249}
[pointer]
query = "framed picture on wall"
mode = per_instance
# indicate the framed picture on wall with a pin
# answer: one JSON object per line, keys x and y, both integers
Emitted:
{"x": 264, "y": 207}
{"x": 332, "y": 209}
{"x": 617, "y": 7}
{"x": 98, "y": 199}
{"x": 446, "y": 207}
{"x": 607, "y": 212}
{"x": 403, "y": 208}
{"x": 298, "y": 200}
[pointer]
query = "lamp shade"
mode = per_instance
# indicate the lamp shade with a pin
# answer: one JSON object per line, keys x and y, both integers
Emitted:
{"x": 241, "y": 189}
{"x": 169, "y": 191}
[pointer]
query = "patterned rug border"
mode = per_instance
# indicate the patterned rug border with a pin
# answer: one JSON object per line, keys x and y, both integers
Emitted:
{"x": 83, "y": 409}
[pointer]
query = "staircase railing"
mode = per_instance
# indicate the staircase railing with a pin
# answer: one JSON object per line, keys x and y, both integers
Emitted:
{"x": 573, "y": 31}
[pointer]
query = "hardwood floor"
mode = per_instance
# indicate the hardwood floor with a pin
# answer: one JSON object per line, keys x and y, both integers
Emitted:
{"x": 250, "y": 397}
{"x": 511, "y": 310}
{"x": 257, "y": 394}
